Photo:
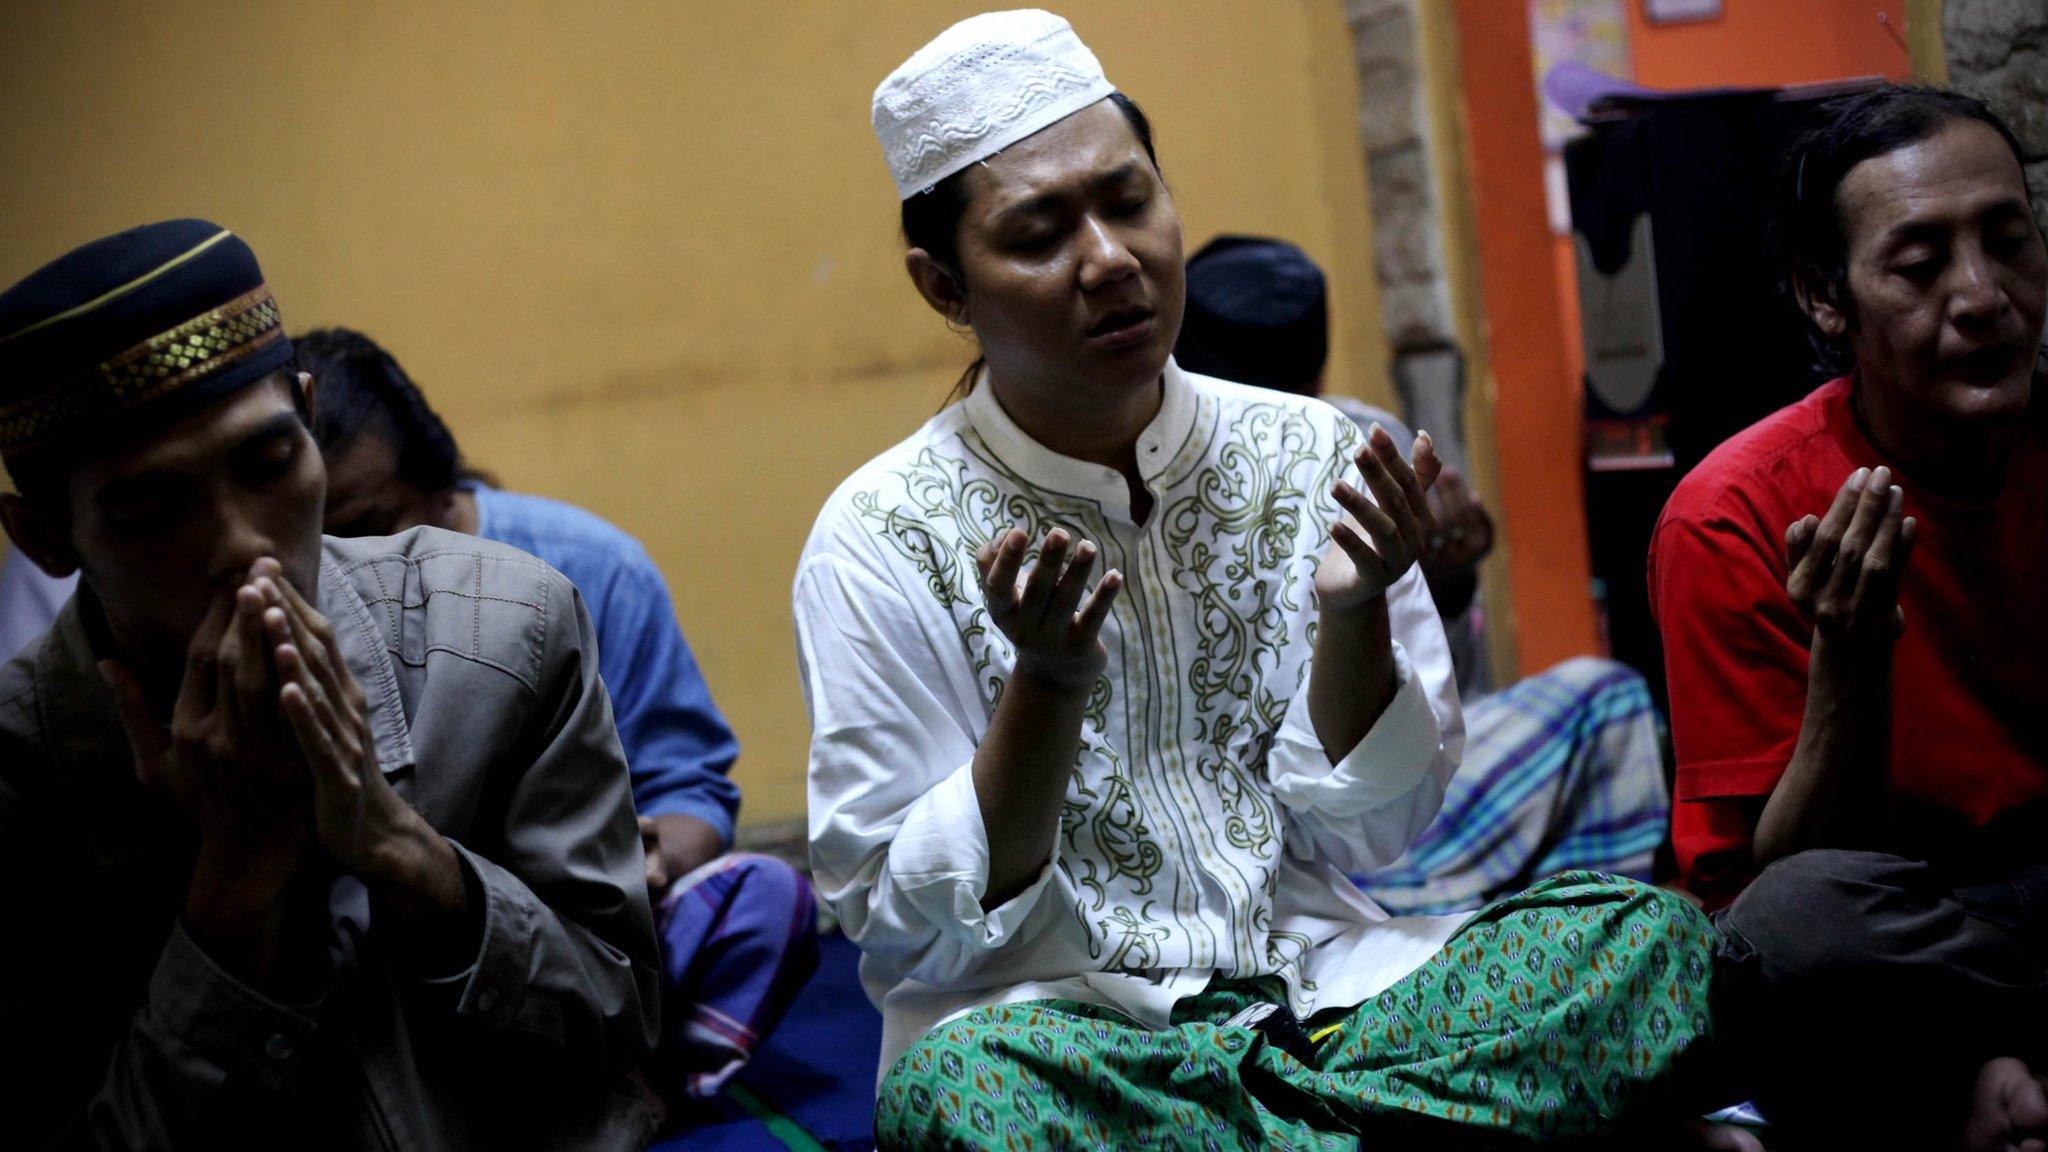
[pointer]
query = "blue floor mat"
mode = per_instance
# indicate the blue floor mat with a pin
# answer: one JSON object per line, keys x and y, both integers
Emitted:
{"x": 811, "y": 1087}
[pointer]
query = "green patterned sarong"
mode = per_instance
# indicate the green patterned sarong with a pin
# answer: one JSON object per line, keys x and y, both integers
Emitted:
{"x": 1557, "y": 1012}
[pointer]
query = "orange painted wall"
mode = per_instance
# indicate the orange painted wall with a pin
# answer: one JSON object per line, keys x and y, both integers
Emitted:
{"x": 1535, "y": 388}
{"x": 1769, "y": 42}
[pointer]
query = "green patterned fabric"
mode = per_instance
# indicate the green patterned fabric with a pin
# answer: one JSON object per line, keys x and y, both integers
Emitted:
{"x": 1556, "y": 1012}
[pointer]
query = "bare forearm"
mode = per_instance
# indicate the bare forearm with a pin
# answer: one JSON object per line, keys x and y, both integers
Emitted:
{"x": 245, "y": 910}
{"x": 1832, "y": 794}
{"x": 419, "y": 885}
{"x": 1351, "y": 676}
{"x": 1020, "y": 778}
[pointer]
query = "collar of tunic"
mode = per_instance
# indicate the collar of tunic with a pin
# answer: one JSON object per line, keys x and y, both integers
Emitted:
{"x": 1165, "y": 448}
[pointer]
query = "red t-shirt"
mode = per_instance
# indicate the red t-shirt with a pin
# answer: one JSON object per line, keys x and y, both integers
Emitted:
{"x": 1970, "y": 674}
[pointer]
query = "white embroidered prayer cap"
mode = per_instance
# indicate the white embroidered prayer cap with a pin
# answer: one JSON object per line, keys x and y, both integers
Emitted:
{"x": 979, "y": 87}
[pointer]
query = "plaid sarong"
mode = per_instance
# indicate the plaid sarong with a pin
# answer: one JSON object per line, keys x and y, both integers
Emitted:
{"x": 1563, "y": 770}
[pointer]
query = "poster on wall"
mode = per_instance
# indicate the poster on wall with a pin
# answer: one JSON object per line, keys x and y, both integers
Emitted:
{"x": 1681, "y": 11}
{"x": 1589, "y": 32}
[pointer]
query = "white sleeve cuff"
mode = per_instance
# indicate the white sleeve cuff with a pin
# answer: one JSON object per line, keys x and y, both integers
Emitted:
{"x": 1393, "y": 757}
{"x": 939, "y": 861}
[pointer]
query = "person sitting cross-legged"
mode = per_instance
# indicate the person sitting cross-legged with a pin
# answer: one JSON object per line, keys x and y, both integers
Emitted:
{"x": 303, "y": 841}
{"x": 738, "y": 929}
{"x": 1853, "y": 595}
{"x": 1115, "y": 671}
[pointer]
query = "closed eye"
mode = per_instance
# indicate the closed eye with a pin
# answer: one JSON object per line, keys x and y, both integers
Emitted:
{"x": 2008, "y": 241}
{"x": 269, "y": 458}
{"x": 1035, "y": 240}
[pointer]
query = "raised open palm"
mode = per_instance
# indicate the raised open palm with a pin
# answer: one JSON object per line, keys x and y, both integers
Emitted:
{"x": 1382, "y": 535}
{"x": 1056, "y": 633}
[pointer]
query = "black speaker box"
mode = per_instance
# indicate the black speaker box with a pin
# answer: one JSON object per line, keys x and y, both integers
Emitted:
{"x": 1687, "y": 338}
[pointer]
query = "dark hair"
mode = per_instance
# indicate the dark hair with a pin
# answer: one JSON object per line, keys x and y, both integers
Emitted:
{"x": 40, "y": 474}
{"x": 931, "y": 218}
{"x": 358, "y": 387}
{"x": 1808, "y": 237}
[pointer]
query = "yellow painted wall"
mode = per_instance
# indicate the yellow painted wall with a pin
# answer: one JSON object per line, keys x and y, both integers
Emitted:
{"x": 643, "y": 256}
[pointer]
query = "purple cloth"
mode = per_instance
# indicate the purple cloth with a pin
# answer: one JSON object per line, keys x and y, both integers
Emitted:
{"x": 739, "y": 937}
{"x": 1579, "y": 91}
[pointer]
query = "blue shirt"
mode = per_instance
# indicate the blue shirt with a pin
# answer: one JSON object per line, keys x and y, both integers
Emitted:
{"x": 677, "y": 745}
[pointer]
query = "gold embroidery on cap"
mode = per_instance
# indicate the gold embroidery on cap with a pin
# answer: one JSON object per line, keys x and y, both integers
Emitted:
{"x": 24, "y": 423}
{"x": 200, "y": 347}
{"x": 205, "y": 345}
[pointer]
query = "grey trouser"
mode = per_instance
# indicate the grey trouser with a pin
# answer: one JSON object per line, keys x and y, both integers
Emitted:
{"x": 1860, "y": 988}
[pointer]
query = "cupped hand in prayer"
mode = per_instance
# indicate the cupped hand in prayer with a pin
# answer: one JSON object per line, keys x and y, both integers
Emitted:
{"x": 1054, "y": 619}
{"x": 1843, "y": 569}
{"x": 225, "y": 758}
{"x": 329, "y": 717}
{"x": 1381, "y": 535}
{"x": 364, "y": 825}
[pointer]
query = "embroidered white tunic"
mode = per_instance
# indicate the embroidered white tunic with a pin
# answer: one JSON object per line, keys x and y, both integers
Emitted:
{"x": 1205, "y": 833}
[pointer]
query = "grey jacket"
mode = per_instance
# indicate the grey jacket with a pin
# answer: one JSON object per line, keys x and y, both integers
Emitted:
{"x": 480, "y": 668}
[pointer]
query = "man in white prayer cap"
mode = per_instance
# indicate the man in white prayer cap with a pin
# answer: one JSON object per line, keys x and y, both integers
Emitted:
{"x": 1092, "y": 834}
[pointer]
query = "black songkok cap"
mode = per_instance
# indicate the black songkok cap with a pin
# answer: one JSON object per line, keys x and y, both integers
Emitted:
{"x": 166, "y": 317}
{"x": 1258, "y": 313}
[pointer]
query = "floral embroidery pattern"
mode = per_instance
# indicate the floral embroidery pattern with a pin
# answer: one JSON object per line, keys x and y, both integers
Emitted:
{"x": 1168, "y": 807}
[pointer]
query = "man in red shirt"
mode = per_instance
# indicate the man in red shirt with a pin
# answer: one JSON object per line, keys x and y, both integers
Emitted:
{"x": 1854, "y": 601}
